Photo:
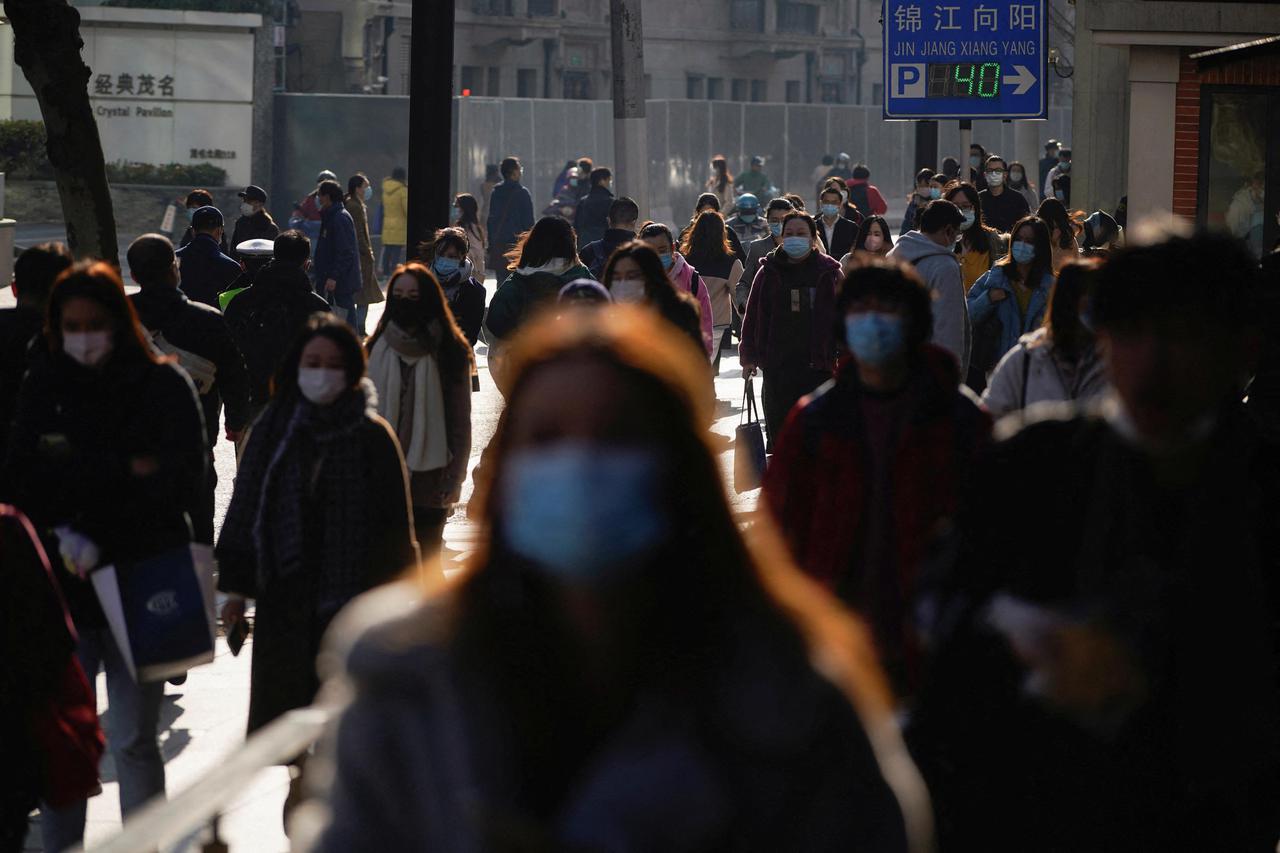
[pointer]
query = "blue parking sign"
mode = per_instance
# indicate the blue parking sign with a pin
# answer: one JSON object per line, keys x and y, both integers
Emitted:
{"x": 965, "y": 59}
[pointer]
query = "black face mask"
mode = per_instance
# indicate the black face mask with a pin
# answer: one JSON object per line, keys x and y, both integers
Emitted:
{"x": 403, "y": 312}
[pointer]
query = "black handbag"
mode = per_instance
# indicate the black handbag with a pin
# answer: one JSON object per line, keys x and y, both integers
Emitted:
{"x": 748, "y": 445}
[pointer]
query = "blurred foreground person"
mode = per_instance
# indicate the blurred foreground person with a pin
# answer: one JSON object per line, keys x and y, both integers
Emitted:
{"x": 421, "y": 364}
{"x": 1059, "y": 362}
{"x": 1103, "y": 673}
{"x": 320, "y": 513}
{"x": 107, "y": 455}
{"x": 618, "y": 669}
{"x": 869, "y": 468}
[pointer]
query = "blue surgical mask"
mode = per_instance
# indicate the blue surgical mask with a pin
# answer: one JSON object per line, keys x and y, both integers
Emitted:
{"x": 830, "y": 209}
{"x": 775, "y": 228}
{"x": 368, "y": 191}
{"x": 935, "y": 192}
{"x": 975, "y": 161}
{"x": 1060, "y": 195}
{"x": 667, "y": 260}
{"x": 457, "y": 213}
{"x": 1023, "y": 252}
{"x": 583, "y": 512}
{"x": 747, "y": 217}
{"x": 446, "y": 267}
{"x": 875, "y": 338}
{"x": 1064, "y": 166}
{"x": 797, "y": 247}
{"x": 969, "y": 218}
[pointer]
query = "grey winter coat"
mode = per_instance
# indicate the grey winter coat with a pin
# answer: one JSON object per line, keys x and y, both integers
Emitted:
{"x": 1032, "y": 372}
{"x": 940, "y": 270}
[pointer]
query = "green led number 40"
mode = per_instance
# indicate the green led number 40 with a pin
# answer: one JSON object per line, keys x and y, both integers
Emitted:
{"x": 964, "y": 80}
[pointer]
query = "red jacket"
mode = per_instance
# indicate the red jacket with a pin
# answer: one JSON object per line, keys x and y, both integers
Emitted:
{"x": 874, "y": 199}
{"x": 817, "y": 482}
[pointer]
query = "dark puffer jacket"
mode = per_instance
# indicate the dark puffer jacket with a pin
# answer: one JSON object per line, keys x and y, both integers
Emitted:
{"x": 75, "y": 451}
{"x": 265, "y": 319}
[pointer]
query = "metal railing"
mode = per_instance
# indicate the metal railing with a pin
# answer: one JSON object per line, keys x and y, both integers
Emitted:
{"x": 166, "y": 822}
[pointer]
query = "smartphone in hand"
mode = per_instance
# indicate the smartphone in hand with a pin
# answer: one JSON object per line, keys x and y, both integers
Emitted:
{"x": 237, "y": 634}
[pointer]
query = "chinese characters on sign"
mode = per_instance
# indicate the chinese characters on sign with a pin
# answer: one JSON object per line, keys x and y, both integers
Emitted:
{"x": 128, "y": 84}
{"x": 212, "y": 154}
{"x": 965, "y": 59}
{"x": 909, "y": 18}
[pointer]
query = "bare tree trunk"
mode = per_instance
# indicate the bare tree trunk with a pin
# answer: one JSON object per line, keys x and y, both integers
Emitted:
{"x": 46, "y": 35}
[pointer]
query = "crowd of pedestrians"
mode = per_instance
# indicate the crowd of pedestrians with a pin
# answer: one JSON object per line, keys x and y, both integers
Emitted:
{"x": 1013, "y": 582}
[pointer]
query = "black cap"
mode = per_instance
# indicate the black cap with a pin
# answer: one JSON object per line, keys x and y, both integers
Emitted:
{"x": 206, "y": 217}
{"x": 252, "y": 193}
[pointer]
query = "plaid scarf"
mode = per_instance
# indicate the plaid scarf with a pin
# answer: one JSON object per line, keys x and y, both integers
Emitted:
{"x": 300, "y": 495}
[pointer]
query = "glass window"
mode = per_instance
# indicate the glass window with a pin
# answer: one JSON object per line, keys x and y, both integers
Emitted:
{"x": 693, "y": 87}
{"x": 759, "y": 91}
{"x": 544, "y": 8}
{"x": 740, "y": 90}
{"x": 577, "y": 86}
{"x": 797, "y": 18}
{"x": 527, "y": 83}
{"x": 1233, "y": 157}
{"x": 472, "y": 80}
{"x": 715, "y": 88}
{"x": 832, "y": 92}
{"x": 491, "y": 7}
{"x": 793, "y": 92}
{"x": 495, "y": 82}
{"x": 746, "y": 15}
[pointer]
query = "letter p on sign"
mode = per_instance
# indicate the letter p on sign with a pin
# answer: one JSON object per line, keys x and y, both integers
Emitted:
{"x": 908, "y": 81}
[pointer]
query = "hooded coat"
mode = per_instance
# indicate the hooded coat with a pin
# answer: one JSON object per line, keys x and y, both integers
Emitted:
{"x": 395, "y": 212}
{"x": 686, "y": 279}
{"x": 768, "y": 302}
{"x": 1034, "y": 372}
{"x": 940, "y": 270}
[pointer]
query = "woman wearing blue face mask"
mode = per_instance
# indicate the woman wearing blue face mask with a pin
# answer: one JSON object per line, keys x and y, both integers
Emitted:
{"x": 320, "y": 513}
{"x": 618, "y": 669}
{"x": 683, "y": 277}
{"x": 870, "y": 467}
{"x": 421, "y": 365}
{"x": 466, "y": 215}
{"x": 450, "y": 256}
{"x": 789, "y": 313}
{"x": 356, "y": 201}
{"x": 1016, "y": 290}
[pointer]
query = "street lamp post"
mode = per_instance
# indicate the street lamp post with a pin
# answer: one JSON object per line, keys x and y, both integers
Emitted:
{"x": 630, "y": 133}
{"x": 430, "y": 158}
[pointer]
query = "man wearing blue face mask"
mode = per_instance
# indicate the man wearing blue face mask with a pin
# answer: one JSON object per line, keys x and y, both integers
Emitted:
{"x": 836, "y": 232}
{"x": 869, "y": 468}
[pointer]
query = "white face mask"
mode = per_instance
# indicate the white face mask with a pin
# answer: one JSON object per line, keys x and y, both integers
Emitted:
{"x": 246, "y": 209}
{"x": 873, "y": 242}
{"x": 87, "y": 348}
{"x": 321, "y": 385}
{"x": 628, "y": 290}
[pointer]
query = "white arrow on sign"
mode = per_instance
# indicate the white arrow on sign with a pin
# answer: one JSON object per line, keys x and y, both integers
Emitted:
{"x": 1022, "y": 77}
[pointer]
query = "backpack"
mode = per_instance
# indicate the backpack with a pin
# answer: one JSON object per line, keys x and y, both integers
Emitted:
{"x": 202, "y": 371}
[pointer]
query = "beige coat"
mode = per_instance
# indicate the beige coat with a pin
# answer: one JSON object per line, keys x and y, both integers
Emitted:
{"x": 369, "y": 290}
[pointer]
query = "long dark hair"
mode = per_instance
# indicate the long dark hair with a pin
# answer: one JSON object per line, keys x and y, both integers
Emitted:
{"x": 708, "y": 238}
{"x": 99, "y": 282}
{"x": 1062, "y": 317}
{"x": 1055, "y": 215}
{"x": 550, "y": 237}
{"x": 507, "y": 624}
{"x": 864, "y": 231}
{"x": 1043, "y": 263}
{"x": 721, "y": 167}
{"x": 470, "y": 208}
{"x": 1017, "y": 164}
{"x": 977, "y": 237}
{"x": 284, "y": 385}
{"x": 453, "y": 351}
{"x": 657, "y": 287}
